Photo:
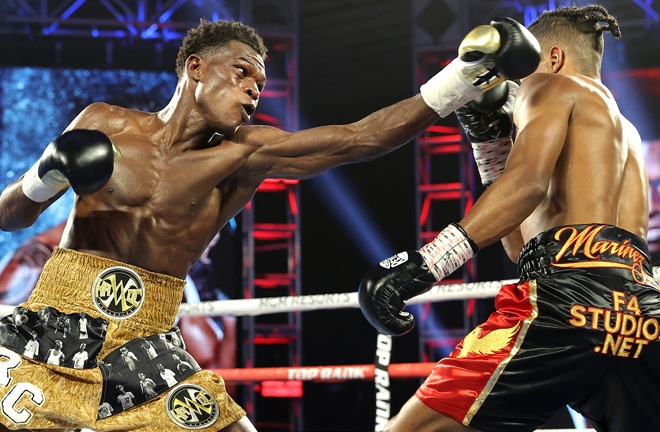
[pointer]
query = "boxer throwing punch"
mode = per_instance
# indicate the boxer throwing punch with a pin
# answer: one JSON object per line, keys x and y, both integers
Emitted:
{"x": 571, "y": 207}
{"x": 153, "y": 189}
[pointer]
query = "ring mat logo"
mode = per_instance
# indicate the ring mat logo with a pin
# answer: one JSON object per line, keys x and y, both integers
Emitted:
{"x": 118, "y": 292}
{"x": 191, "y": 407}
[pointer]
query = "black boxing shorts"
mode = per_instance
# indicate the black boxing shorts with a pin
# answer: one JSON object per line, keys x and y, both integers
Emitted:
{"x": 581, "y": 328}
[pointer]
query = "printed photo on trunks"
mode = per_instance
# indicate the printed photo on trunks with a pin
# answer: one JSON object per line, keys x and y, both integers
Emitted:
{"x": 118, "y": 292}
{"x": 142, "y": 369}
{"x": 191, "y": 407}
{"x": 50, "y": 336}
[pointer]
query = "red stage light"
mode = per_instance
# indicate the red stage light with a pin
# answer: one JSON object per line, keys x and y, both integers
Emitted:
{"x": 282, "y": 389}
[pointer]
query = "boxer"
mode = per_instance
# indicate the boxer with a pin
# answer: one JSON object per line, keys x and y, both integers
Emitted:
{"x": 569, "y": 200}
{"x": 152, "y": 191}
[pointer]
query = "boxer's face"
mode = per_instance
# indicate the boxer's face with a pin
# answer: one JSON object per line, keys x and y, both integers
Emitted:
{"x": 229, "y": 84}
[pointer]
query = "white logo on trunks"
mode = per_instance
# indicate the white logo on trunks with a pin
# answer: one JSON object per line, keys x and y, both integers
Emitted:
{"x": 191, "y": 407}
{"x": 118, "y": 292}
{"x": 16, "y": 404}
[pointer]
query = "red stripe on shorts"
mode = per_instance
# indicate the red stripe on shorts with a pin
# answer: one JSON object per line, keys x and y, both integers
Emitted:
{"x": 460, "y": 383}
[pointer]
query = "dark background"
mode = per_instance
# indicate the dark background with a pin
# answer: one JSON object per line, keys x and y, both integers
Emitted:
{"x": 354, "y": 58}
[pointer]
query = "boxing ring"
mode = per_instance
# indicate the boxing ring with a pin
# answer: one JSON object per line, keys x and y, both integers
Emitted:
{"x": 380, "y": 372}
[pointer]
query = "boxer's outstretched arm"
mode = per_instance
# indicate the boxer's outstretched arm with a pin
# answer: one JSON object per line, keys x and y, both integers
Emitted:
{"x": 309, "y": 152}
{"x": 487, "y": 56}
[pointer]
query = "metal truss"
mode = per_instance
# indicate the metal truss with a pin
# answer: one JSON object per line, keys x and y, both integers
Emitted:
{"x": 137, "y": 19}
{"x": 140, "y": 19}
{"x": 443, "y": 23}
{"x": 631, "y": 13}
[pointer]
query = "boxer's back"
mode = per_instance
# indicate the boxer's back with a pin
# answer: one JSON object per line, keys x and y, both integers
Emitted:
{"x": 600, "y": 174}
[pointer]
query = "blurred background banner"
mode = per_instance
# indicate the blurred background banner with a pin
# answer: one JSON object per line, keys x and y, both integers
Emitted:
{"x": 330, "y": 62}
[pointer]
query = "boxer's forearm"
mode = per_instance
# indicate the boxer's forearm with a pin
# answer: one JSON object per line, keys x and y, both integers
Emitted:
{"x": 18, "y": 211}
{"x": 393, "y": 126}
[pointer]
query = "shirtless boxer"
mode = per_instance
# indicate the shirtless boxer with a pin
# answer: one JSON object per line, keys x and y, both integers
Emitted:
{"x": 571, "y": 206}
{"x": 139, "y": 223}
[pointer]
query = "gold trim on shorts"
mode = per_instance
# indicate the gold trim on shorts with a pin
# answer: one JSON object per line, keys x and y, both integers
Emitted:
{"x": 479, "y": 401}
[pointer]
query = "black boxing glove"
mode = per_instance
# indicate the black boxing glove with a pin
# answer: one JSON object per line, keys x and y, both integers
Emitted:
{"x": 384, "y": 290}
{"x": 83, "y": 159}
{"x": 520, "y": 53}
{"x": 488, "y": 125}
{"x": 486, "y": 55}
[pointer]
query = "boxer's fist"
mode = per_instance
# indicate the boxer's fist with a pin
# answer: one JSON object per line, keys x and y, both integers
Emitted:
{"x": 385, "y": 288}
{"x": 492, "y": 53}
{"x": 490, "y": 116}
{"x": 83, "y": 159}
{"x": 488, "y": 125}
{"x": 488, "y": 55}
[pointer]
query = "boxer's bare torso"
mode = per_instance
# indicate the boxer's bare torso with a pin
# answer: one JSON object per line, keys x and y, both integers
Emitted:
{"x": 575, "y": 160}
{"x": 189, "y": 168}
{"x": 164, "y": 202}
{"x": 599, "y": 175}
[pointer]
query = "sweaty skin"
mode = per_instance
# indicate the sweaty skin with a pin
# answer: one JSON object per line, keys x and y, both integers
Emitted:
{"x": 189, "y": 168}
{"x": 576, "y": 159}
{"x": 599, "y": 175}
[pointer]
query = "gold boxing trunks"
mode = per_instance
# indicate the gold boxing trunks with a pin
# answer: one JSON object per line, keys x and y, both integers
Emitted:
{"x": 95, "y": 347}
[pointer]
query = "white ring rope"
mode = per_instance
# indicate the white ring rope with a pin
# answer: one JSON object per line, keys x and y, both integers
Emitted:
{"x": 270, "y": 305}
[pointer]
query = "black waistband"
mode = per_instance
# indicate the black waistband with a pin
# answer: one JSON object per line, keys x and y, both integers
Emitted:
{"x": 600, "y": 249}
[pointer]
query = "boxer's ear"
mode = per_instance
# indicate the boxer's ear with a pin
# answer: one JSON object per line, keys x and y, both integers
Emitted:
{"x": 557, "y": 59}
{"x": 194, "y": 67}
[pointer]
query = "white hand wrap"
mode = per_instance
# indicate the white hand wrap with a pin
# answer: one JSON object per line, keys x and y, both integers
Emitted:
{"x": 40, "y": 190}
{"x": 491, "y": 157}
{"x": 449, "y": 89}
{"x": 448, "y": 251}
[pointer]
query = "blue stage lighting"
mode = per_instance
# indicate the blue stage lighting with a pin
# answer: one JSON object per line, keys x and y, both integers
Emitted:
{"x": 352, "y": 215}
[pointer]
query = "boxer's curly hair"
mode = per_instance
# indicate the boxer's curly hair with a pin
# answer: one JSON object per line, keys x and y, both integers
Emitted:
{"x": 210, "y": 36}
{"x": 578, "y": 31}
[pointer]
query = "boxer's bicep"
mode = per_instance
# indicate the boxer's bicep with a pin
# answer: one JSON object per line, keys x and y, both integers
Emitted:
{"x": 542, "y": 119}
